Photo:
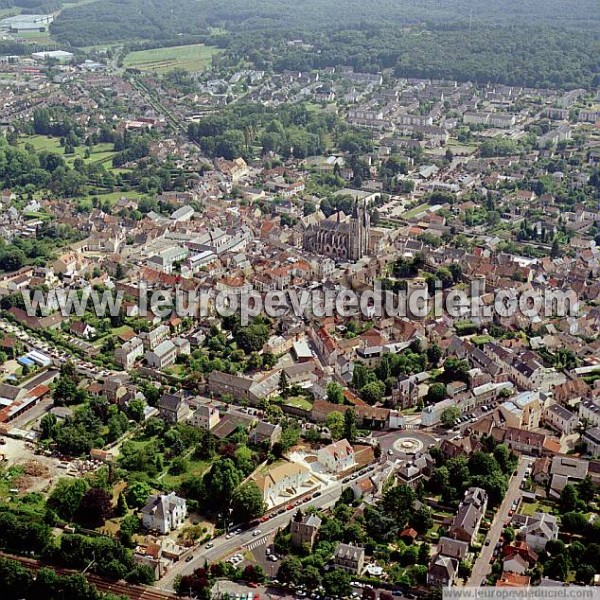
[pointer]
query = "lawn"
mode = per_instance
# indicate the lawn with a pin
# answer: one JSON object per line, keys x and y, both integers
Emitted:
{"x": 528, "y": 508}
{"x": 114, "y": 197}
{"x": 196, "y": 468}
{"x": 99, "y": 154}
{"x": 195, "y": 57}
{"x": 299, "y": 402}
{"x": 411, "y": 214}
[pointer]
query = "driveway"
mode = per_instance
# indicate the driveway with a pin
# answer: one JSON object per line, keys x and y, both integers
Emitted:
{"x": 482, "y": 567}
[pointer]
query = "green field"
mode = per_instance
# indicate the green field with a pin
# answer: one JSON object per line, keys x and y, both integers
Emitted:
{"x": 100, "y": 153}
{"x": 195, "y": 57}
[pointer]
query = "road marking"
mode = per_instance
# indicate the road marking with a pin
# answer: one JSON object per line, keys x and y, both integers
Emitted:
{"x": 256, "y": 543}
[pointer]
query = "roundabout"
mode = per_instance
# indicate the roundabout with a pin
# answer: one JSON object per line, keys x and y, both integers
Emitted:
{"x": 408, "y": 445}
{"x": 405, "y": 442}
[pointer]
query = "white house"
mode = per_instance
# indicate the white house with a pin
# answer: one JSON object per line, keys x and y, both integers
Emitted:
{"x": 129, "y": 352}
{"x": 206, "y": 417}
{"x": 162, "y": 356}
{"x": 164, "y": 512}
{"x": 561, "y": 419}
{"x": 337, "y": 457}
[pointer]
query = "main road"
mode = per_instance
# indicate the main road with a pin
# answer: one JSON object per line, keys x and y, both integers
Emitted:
{"x": 225, "y": 547}
{"x": 481, "y": 568}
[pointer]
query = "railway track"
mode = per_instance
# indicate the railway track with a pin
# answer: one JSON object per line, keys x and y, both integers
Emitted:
{"x": 135, "y": 592}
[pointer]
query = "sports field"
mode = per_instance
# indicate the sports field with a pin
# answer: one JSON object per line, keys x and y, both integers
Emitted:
{"x": 195, "y": 57}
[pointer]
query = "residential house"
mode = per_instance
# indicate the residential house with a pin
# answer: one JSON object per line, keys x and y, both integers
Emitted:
{"x": 240, "y": 388}
{"x": 350, "y": 558}
{"x": 560, "y": 419}
{"x": 164, "y": 512}
{"x": 591, "y": 438}
{"x": 266, "y": 432}
{"x": 129, "y": 352}
{"x": 82, "y": 330}
{"x": 590, "y": 411}
{"x": 564, "y": 470}
{"x": 304, "y": 530}
{"x": 114, "y": 390}
{"x": 172, "y": 408}
{"x": 537, "y": 530}
{"x": 206, "y": 417}
{"x": 156, "y": 336}
{"x": 453, "y": 548}
{"x": 467, "y": 520}
{"x": 337, "y": 457}
{"x": 442, "y": 571}
{"x": 162, "y": 356}
{"x": 518, "y": 557}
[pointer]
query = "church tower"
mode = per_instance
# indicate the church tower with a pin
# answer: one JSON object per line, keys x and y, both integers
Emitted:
{"x": 359, "y": 232}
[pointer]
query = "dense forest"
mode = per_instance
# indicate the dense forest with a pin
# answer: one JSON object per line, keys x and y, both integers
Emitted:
{"x": 533, "y": 43}
{"x": 129, "y": 20}
{"x": 541, "y": 57}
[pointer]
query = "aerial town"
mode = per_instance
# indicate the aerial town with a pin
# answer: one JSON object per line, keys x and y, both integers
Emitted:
{"x": 309, "y": 451}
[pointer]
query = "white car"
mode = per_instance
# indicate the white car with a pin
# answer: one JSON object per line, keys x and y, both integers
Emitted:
{"x": 256, "y": 532}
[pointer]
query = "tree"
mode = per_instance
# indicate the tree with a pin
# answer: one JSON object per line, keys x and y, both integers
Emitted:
{"x": 335, "y": 393}
{"x": 557, "y": 568}
{"x": 137, "y": 493}
{"x": 253, "y": 573}
{"x": 449, "y": 416}
{"x": 398, "y": 503}
{"x": 247, "y": 502}
{"x": 122, "y": 507}
{"x": 439, "y": 480}
{"x": 434, "y": 354}
{"x": 222, "y": 480}
{"x": 568, "y": 498}
{"x": 290, "y": 570}
{"x": 421, "y": 520}
{"x": 48, "y": 426}
{"x": 15, "y": 580}
{"x": 136, "y": 408}
{"x": 66, "y": 497}
{"x": 586, "y": 489}
{"x": 456, "y": 370}
{"x": 424, "y": 554}
{"x": 95, "y": 507}
{"x": 335, "y": 424}
{"x": 372, "y": 393}
{"x": 311, "y": 577}
{"x": 283, "y": 382}
{"x": 179, "y": 465}
{"x": 436, "y": 393}
{"x": 337, "y": 583}
{"x": 585, "y": 574}
{"x": 350, "y": 425}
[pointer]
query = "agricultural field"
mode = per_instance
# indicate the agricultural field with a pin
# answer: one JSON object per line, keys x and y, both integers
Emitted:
{"x": 195, "y": 57}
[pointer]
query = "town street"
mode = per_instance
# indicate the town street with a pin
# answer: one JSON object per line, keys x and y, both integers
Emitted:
{"x": 481, "y": 568}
